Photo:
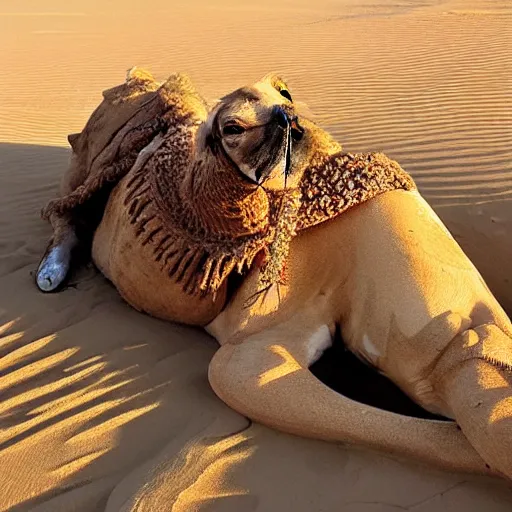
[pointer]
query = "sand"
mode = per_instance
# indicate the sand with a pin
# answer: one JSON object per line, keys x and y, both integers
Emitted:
{"x": 105, "y": 409}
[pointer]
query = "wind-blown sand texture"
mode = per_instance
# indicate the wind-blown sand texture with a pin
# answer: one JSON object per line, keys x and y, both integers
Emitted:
{"x": 103, "y": 408}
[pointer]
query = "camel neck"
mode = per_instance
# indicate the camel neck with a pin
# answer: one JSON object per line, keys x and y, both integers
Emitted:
{"x": 221, "y": 201}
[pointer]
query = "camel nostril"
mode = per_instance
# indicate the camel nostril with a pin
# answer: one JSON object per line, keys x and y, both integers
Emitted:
{"x": 281, "y": 117}
{"x": 297, "y": 135}
{"x": 297, "y": 130}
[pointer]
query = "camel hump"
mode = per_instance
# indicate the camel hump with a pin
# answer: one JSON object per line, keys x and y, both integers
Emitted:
{"x": 179, "y": 92}
{"x": 128, "y": 118}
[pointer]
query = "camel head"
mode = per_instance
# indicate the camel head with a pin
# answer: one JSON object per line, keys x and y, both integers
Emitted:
{"x": 257, "y": 129}
{"x": 257, "y": 134}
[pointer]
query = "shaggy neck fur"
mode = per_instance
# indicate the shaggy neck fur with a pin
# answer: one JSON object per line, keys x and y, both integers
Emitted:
{"x": 202, "y": 220}
{"x": 221, "y": 201}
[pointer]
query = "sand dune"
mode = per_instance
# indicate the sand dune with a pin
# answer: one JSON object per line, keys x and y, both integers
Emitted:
{"x": 106, "y": 409}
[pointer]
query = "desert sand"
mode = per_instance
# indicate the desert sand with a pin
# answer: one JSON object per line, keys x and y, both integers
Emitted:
{"x": 106, "y": 409}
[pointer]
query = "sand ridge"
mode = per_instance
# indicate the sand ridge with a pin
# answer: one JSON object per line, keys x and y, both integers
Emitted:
{"x": 106, "y": 409}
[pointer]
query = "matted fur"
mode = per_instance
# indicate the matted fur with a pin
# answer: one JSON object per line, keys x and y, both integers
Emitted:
{"x": 127, "y": 120}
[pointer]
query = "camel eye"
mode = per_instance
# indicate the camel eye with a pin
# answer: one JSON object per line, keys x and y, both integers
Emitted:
{"x": 286, "y": 95}
{"x": 233, "y": 129}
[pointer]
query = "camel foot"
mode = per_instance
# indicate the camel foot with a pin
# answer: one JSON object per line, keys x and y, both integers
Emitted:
{"x": 55, "y": 265}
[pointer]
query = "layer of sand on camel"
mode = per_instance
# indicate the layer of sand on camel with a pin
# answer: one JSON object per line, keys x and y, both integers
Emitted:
{"x": 103, "y": 407}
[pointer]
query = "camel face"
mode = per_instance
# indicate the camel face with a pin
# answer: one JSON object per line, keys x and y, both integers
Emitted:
{"x": 258, "y": 130}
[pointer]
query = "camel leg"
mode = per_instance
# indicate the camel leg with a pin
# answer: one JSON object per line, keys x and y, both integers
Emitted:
{"x": 476, "y": 385}
{"x": 266, "y": 378}
{"x": 56, "y": 262}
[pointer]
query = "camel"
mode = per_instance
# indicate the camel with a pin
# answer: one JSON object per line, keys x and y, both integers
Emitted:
{"x": 249, "y": 220}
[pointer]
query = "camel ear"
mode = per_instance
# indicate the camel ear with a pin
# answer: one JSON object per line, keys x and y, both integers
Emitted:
{"x": 276, "y": 81}
{"x": 208, "y": 131}
{"x": 73, "y": 140}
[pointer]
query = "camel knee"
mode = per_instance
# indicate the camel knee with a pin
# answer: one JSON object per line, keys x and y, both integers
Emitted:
{"x": 486, "y": 342}
{"x": 476, "y": 386}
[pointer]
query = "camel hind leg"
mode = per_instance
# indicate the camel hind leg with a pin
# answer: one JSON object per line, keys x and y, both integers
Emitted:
{"x": 56, "y": 262}
{"x": 266, "y": 378}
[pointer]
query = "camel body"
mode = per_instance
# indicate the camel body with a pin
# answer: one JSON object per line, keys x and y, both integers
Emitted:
{"x": 407, "y": 299}
{"x": 410, "y": 303}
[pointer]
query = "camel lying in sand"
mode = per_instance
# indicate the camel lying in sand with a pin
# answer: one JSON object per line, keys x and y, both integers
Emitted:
{"x": 253, "y": 222}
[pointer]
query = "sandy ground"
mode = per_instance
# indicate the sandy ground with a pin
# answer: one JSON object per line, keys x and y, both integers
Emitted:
{"x": 103, "y": 408}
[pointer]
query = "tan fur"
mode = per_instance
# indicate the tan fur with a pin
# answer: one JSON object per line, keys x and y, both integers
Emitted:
{"x": 183, "y": 219}
{"x": 411, "y": 303}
